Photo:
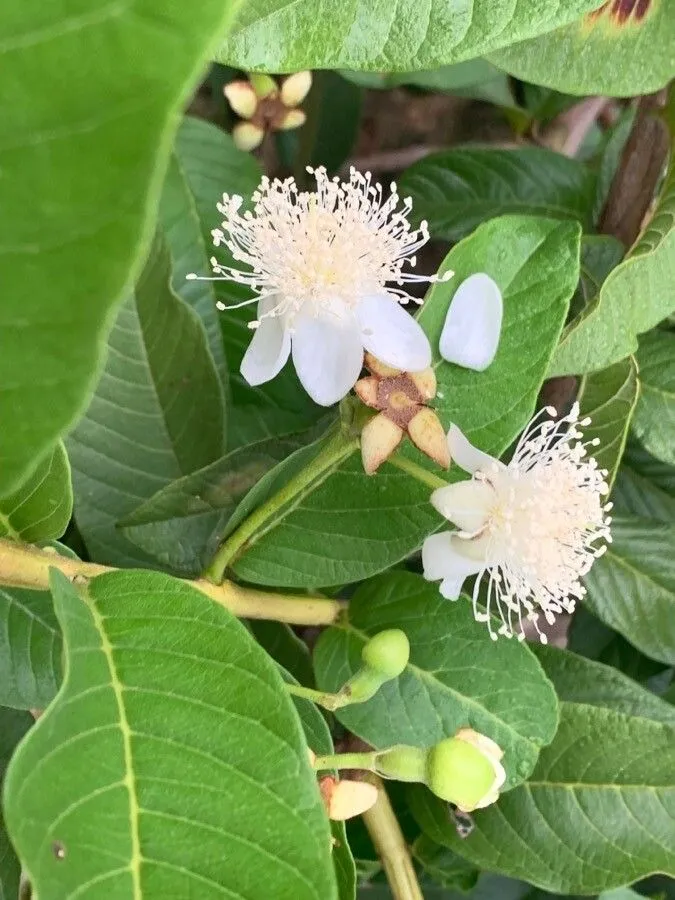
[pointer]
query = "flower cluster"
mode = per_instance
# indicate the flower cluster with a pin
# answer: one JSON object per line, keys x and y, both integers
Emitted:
{"x": 328, "y": 270}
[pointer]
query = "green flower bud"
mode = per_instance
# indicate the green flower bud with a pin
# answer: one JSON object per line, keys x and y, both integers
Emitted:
{"x": 387, "y": 653}
{"x": 465, "y": 770}
{"x": 263, "y": 85}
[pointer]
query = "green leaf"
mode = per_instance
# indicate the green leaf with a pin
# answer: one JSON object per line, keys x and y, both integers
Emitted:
{"x": 342, "y": 509}
{"x": 600, "y": 253}
{"x": 591, "y": 638}
{"x": 338, "y": 103}
{"x": 597, "y": 812}
{"x": 635, "y": 297}
{"x": 580, "y": 680}
{"x": 286, "y": 648}
{"x": 474, "y": 78}
{"x": 457, "y": 676}
{"x": 622, "y": 893}
{"x": 40, "y": 508}
{"x": 621, "y": 49}
{"x": 83, "y": 157}
{"x": 13, "y": 725}
{"x": 644, "y": 486}
{"x": 205, "y": 164}
{"x": 459, "y": 189}
{"x": 609, "y": 398}
{"x": 371, "y": 523}
{"x": 172, "y": 762}
{"x": 443, "y": 866}
{"x": 632, "y": 587}
{"x": 156, "y": 414}
{"x": 178, "y": 526}
{"x": 654, "y": 422}
{"x": 181, "y": 226}
{"x": 30, "y": 649}
{"x": 284, "y": 36}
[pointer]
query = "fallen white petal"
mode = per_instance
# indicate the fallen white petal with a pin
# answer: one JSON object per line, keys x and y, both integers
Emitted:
{"x": 468, "y": 457}
{"x": 269, "y": 348}
{"x": 392, "y": 335}
{"x": 328, "y": 356}
{"x": 466, "y": 504}
{"x": 473, "y": 324}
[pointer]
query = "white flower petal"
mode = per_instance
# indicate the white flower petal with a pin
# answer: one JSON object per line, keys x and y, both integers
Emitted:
{"x": 442, "y": 558}
{"x": 392, "y": 335}
{"x": 468, "y": 457}
{"x": 327, "y": 354}
{"x": 466, "y": 504}
{"x": 268, "y": 351}
{"x": 473, "y": 324}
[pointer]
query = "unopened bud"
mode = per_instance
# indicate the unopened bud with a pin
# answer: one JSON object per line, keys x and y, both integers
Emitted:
{"x": 377, "y": 367}
{"x": 427, "y": 433}
{"x": 247, "y": 136}
{"x": 263, "y": 85}
{"x": 387, "y": 653}
{"x": 294, "y": 118}
{"x": 366, "y": 390}
{"x": 346, "y": 799}
{"x": 295, "y": 88}
{"x": 379, "y": 438}
{"x": 466, "y": 770}
{"x": 425, "y": 382}
{"x": 241, "y": 97}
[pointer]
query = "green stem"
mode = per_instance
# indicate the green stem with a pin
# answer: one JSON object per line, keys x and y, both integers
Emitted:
{"x": 386, "y": 834}
{"x": 418, "y": 472}
{"x": 25, "y": 566}
{"x": 347, "y": 761}
{"x": 330, "y": 702}
{"x": 337, "y": 448}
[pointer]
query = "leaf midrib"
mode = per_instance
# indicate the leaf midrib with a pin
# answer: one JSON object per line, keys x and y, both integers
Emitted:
{"x": 129, "y": 778}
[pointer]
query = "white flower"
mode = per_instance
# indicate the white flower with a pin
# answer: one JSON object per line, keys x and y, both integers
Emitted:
{"x": 535, "y": 526}
{"x": 473, "y": 323}
{"x": 319, "y": 262}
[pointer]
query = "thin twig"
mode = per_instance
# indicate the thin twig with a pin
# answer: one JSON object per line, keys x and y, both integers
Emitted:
{"x": 642, "y": 164}
{"x": 567, "y": 132}
{"x": 387, "y": 836}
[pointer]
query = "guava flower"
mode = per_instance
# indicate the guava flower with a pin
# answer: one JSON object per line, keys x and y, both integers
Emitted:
{"x": 535, "y": 526}
{"x": 319, "y": 263}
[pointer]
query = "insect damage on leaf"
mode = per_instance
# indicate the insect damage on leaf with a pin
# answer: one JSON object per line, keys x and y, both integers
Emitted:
{"x": 622, "y": 12}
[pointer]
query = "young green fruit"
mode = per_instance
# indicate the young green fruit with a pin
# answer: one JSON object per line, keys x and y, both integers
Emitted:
{"x": 387, "y": 653}
{"x": 466, "y": 770}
